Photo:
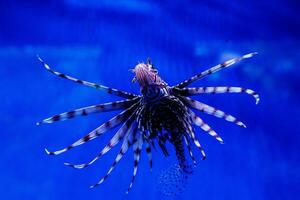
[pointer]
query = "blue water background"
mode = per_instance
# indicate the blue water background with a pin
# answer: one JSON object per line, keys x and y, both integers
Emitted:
{"x": 99, "y": 41}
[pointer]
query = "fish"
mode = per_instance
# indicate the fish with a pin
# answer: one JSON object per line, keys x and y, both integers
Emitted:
{"x": 159, "y": 114}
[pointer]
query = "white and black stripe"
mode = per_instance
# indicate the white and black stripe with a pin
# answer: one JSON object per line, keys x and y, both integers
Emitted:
{"x": 118, "y": 119}
{"x": 117, "y": 105}
{"x": 197, "y": 143}
{"x": 199, "y": 122}
{"x": 149, "y": 153}
{"x": 128, "y": 126}
{"x": 191, "y": 134}
{"x": 211, "y": 111}
{"x": 188, "y": 144}
{"x": 214, "y": 69}
{"x": 125, "y": 145}
{"x": 214, "y": 90}
{"x": 90, "y": 84}
{"x": 137, "y": 148}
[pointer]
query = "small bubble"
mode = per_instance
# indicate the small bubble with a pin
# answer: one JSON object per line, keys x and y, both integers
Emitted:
{"x": 172, "y": 181}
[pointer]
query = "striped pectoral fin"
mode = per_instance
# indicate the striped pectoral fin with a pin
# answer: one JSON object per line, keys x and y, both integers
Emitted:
{"x": 117, "y": 105}
{"x": 213, "y": 70}
{"x": 126, "y": 144}
{"x": 127, "y": 126}
{"x": 162, "y": 145}
{"x": 217, "y": 90}
{"x": 98, "y": 131}
{"x": 199, "y": 122}
{"x": 149, "y": 154}
{"x": 188, "y": 144}
{"x": 92, "y": 135}
{"x": 86, "y": 83}
{"x": 212, "y": 111}
{"x": 137, "y": 148}
{"x": 197, "y": 143}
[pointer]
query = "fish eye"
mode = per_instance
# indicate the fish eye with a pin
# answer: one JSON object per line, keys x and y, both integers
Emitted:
{"x": 154, "y": 70}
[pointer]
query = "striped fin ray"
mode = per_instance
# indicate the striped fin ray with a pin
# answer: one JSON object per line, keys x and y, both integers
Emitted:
{"x": 213, "y": 70}
{"x": 191, "y": 133}
{"x": 98, "y": 131}
{"x": 213, "y": 90}
{"x": 149, "y": 154}
{"x": 126, "y": 144}
{"x": 212, "y": 111}
{"x": 89, "y": 110}
{"x": 199, "y": 122}
{"x": 126, "y": 127}
{"x": 190, "y": 129}
{"x": 197, "y": 143}
{"x": 188, "y": 144}
{"x": 162, "y": 144}
{"x": 90, "y": 84}
{"x": 137, "y": 148}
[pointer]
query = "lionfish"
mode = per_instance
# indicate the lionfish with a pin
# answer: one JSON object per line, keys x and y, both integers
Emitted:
{"x": 160, "y": 114}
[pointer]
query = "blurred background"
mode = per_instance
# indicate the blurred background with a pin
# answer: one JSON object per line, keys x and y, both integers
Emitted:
{"x": 99, "y": 40}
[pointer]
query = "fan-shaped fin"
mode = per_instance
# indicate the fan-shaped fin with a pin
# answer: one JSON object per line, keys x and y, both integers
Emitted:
{"x": 214, "y": 90}
{"x": 86, "y": 83}
{"x": 117, "y": 105}
{"x": 213, "y": 70}
{"x": 211, "y": 111}
{"x": 126, "y": 127}
{"x": 98, "y": 131}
